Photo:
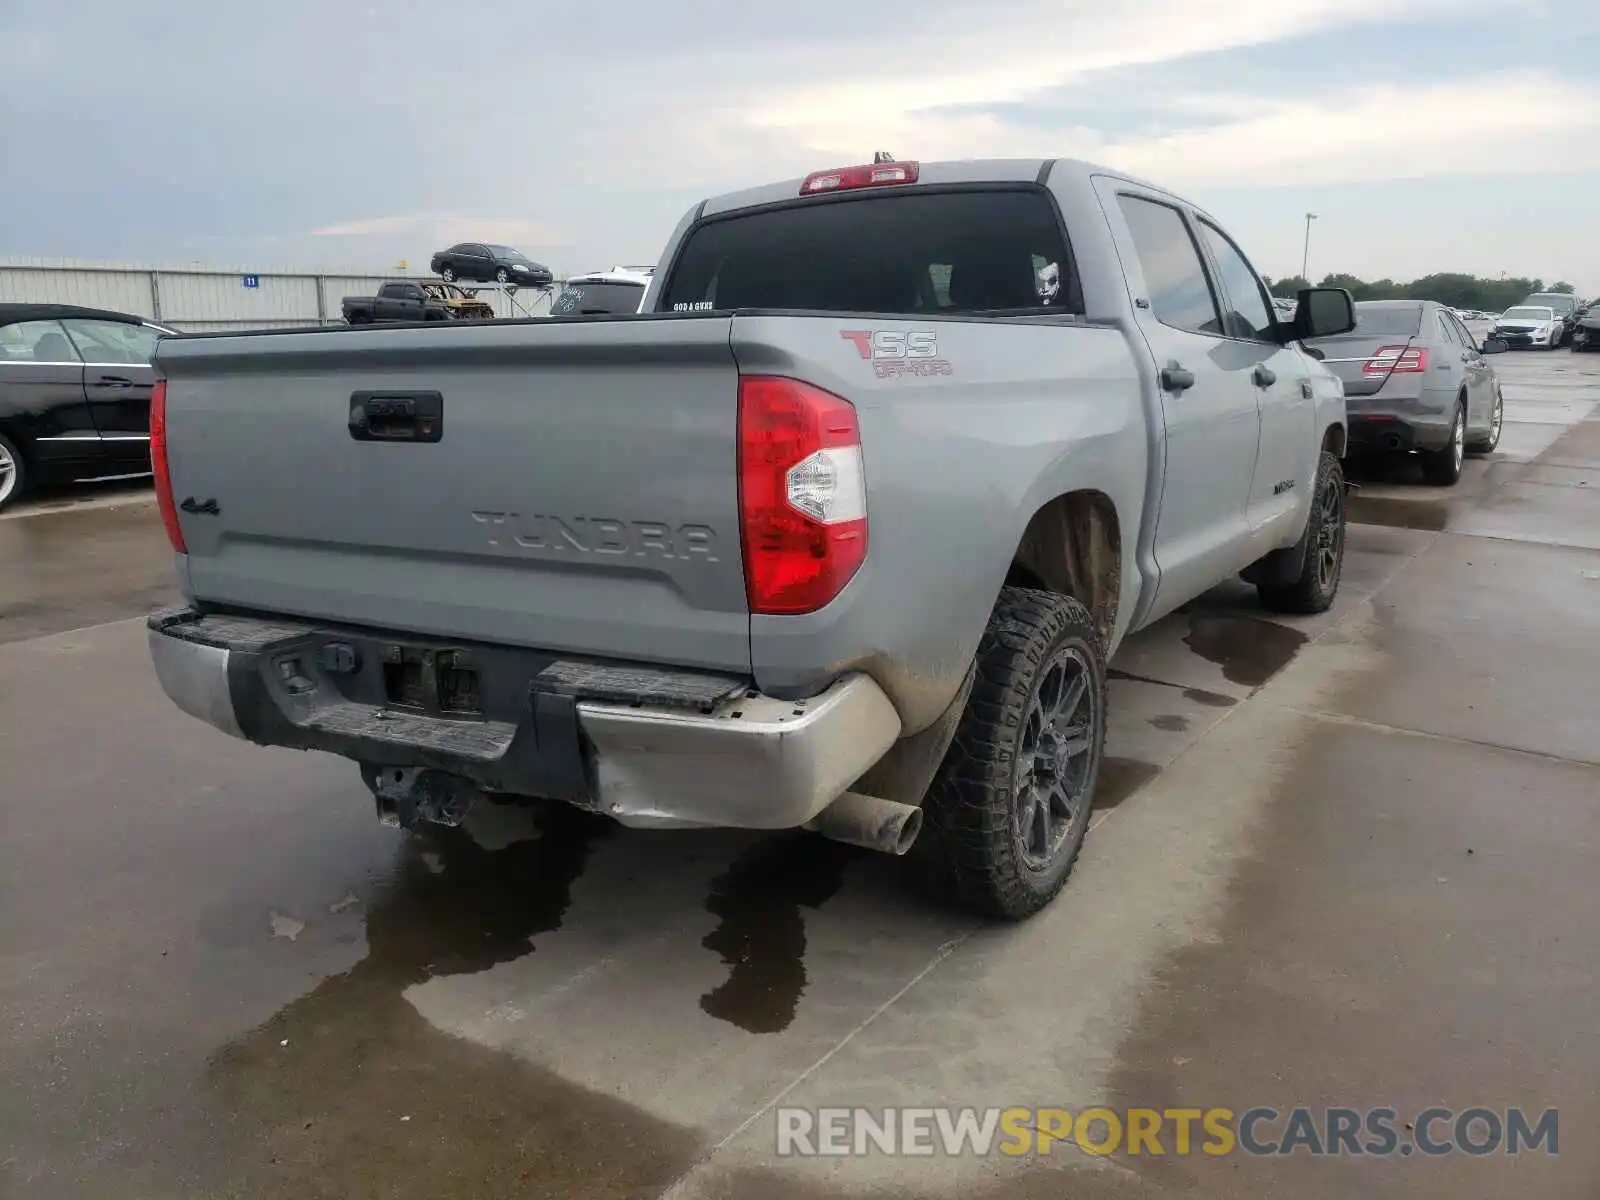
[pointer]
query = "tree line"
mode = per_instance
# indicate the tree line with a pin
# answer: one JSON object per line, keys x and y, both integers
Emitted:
{"x": 1448, "y": 288}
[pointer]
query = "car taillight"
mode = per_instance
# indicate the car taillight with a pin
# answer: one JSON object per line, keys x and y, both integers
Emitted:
{"x": 1397, "y": 359}
{"x": 159, "y": 465}
{"x": 844, "y": 179}
{"x": 802, "y": 494}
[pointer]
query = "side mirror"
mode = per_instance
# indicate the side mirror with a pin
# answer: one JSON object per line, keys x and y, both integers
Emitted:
{"x": 1322, "y": 312}
{"x": 1494, "y": 345}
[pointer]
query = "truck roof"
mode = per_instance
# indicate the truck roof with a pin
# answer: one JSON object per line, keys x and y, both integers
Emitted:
{"x": 969, "y": 170}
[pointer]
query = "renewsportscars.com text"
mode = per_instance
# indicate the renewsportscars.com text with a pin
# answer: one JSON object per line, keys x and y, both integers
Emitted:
{"x": 1260, "y": 1132}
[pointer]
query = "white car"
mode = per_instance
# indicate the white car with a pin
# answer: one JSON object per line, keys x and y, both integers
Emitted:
{"x": 1529, "y": 325}
{"x": 619, "y": 290}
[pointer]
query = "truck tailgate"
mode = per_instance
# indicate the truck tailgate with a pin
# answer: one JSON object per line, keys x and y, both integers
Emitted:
{"x": 566, "y": 486}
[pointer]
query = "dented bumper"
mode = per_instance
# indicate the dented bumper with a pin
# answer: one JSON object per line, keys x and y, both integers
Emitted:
{"x": 646, "y": 745}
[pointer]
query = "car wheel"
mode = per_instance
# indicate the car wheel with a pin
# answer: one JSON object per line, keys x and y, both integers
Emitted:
{"x": 1006, "y": 814}
{"x": 1497, "y": 420}
{"x": 1321, "y": 549}
{"x": 447, "y": 273}
{"x": 502, "y": 276}
{"x": 13, "y": 472}
{"x": 1443, "y": 467}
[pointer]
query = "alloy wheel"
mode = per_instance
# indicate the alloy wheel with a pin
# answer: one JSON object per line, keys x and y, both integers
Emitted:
{"x": 1330, "y": 534}
{"x": 1056, "y": 760}
{"x": 8, "y": 474}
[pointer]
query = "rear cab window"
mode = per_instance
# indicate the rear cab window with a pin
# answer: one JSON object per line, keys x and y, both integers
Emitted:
{"x": 595, "y": 297}
{"x": 903, "y": 252}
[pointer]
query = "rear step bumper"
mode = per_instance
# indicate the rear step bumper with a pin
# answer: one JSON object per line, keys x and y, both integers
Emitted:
{"x": 648, "y": 746}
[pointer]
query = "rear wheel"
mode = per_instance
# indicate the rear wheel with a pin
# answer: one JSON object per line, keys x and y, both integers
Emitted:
{"x": 447, "y": 273}
{"x": 1497, "y": 419}
{"x": 1007, "y": 812}
{"x": 1443, "y": 467}
{"x": 13, "y": 472}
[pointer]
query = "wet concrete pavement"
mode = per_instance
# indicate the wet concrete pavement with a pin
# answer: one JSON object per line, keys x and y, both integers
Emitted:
{"x": 1339, "y": 861}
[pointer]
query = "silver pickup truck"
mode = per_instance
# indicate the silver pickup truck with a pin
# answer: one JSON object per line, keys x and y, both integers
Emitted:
{"x": 837, "y": 533}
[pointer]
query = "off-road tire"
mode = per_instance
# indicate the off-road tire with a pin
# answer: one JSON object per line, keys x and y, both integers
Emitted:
{"x": 1442, "y": 467}
{"x": 1313, "y": 591}
{"x": 969, "y": 852}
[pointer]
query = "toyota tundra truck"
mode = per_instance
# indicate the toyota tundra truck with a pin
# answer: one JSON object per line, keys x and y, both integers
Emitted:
{"x": 837, "y": 533}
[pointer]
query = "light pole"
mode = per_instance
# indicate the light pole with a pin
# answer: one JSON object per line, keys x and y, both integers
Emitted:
{"x": 1305, "y": 259}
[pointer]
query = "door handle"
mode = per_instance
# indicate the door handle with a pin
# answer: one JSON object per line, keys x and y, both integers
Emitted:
{"x": 1263, "y": 375}
{"x": 114, "y": 381}
{"x": 1175, "y": 379}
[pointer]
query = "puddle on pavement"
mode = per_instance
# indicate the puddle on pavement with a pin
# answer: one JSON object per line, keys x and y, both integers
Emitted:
{"x": 1120, "y": 778}
{"x": 1170, "y": 722}
{"x": 1396, "y": 512}
{"x": 348, "y": 1091}
{"x": 761, "y": 931}
{"x": 1249, "y": 652}
{"x": 1209, "y": 699}
{"x": 1198, "y": 695}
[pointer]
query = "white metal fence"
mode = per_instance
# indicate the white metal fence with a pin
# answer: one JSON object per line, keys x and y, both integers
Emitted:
{"x": 199, "y": 298}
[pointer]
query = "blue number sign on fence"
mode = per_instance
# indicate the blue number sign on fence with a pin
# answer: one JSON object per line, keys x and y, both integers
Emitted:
{"x": 252, "y": 281}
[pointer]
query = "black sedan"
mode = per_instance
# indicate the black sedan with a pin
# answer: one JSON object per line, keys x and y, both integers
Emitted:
{"x": 74, "y": 395}
{"x": 1586, "y": 333}
{"x": 485, "y": 262}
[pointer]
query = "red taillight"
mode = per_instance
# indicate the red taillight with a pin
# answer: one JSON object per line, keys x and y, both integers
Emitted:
{"x": 1400, "y": 360}
{"x": 844, "y": 179}
{"x": 802, "y": 494}
{"x": 158, "y": 464}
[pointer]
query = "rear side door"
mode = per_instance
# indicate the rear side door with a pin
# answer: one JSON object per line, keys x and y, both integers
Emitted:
{"x": 1478, "y": 375}
{"x": 476, "y": 263}
{"x": 117, "y": 380}
{"x": 1207, "y": 398}
{"x": 1447, "y": 374}
{"x": 1286, "y": 466}
{"x": 400, "y": 302}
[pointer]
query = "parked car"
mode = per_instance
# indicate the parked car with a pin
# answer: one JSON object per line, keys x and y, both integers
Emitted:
{"x": 488, "y": 263}
{"x": 74, "y": 395}
{"x": 415, "y": 300}
{"x": 1564, "y": 306}
{"x": 1417, "y": 382}
{"x": 1586, "y": 333}
{"x": 881, "y": 491}
{"x": 1529, "y": 326}
{"x": 619, "y": 290}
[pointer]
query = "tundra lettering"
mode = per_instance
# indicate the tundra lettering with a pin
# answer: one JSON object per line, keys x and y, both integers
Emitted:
{"x": 598, "y": 535}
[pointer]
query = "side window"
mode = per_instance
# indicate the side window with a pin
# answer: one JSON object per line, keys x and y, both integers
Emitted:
{"x": 1180, "y": 292}
{"x": 1446, "y": 331}
{"x": 112, "y": 341}
{"x": 477, "y": 251}
{"x": 1250, "y": 314}
{"x": 1463, "y": 334}
{"x": 36, "y": 341}
{"x": 390, "y": 291}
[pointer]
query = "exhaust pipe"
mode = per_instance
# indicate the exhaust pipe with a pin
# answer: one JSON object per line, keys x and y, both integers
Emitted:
{"x": 871, "y": 822}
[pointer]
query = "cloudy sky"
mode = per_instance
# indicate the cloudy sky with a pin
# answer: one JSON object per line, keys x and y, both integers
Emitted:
{"x": 1427, "y": 134}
